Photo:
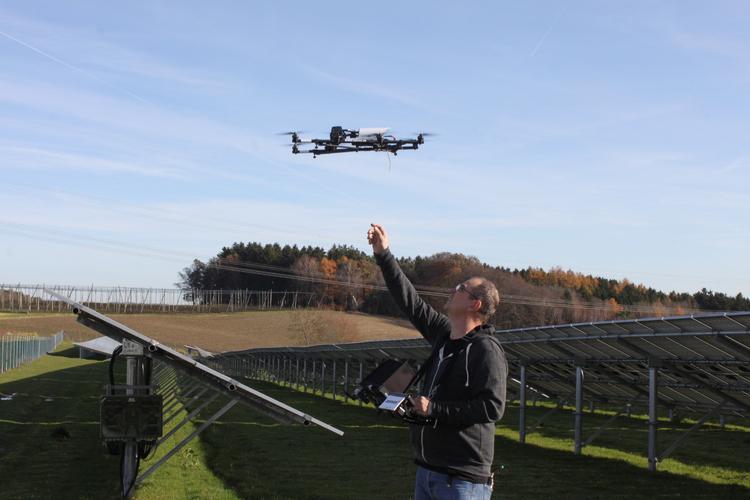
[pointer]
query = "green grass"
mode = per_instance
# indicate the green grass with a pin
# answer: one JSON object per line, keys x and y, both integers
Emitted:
{"x": 246, "y": 455}
{"x": 55, "y": 394}
{"x": 375, "y": 452}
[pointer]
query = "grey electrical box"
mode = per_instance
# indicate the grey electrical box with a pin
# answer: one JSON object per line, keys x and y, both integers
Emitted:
{"x": 136, "y": 417}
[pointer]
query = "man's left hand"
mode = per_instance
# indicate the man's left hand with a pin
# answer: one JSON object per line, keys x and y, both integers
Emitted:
{"x": 421, "y": 406}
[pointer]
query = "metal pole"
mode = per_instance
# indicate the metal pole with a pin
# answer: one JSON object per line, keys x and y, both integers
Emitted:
{"x": 346, "y": 385}
{"x": 579, "y": 409}
{"x": 522, "y": 406}
{"x": 130, "y": 453}
{"x": 652, "y": 416}
{"x": 333, "y": 381}
{"x": 361, "y": 370}
{"x": 322, "y": 378}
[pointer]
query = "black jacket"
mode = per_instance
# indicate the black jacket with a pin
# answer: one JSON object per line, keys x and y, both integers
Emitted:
{"x": 467, "y": 400}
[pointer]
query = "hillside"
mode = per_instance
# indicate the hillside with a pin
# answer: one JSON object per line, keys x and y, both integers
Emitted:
{"x": 225, "y": 332}
{"x": 348, "y": 279}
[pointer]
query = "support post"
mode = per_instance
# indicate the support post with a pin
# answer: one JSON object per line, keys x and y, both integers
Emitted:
{"x": 522, "y": 405}
{"x": 134, "y": 358}
{"x": 361, "y": 369}
{"x": 579, "y": 407}
{"x": 333, "y": 382}
{"x": 322, "y": 378}
{"x": 130, "y": 451}
{"x": 653, "y": 394}
{"x": 346, "y": 382}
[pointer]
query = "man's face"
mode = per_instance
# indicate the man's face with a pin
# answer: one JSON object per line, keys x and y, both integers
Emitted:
{"x": 463, "y": 298}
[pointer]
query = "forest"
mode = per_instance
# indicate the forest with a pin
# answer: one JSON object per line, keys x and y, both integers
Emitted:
{"x": 345, "y": 278}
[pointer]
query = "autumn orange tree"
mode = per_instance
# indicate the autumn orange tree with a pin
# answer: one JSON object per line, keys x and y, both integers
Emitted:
{"x": 346, "y": 278}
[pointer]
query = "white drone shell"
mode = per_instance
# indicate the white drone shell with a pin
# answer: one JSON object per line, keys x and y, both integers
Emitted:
{"x": 363, "y": 132}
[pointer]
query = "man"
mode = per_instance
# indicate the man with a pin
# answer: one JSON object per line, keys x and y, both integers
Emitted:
{"x": 464, "y": 385}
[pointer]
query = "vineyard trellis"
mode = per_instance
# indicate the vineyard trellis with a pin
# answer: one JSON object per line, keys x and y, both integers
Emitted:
{"x": 32, "y": 298}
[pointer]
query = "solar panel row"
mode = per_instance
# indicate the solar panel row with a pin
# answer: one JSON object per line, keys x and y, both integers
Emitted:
{"x": 691, "y": 363}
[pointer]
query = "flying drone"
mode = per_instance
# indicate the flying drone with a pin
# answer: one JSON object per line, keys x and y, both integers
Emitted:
{"x": 343, "y": 140}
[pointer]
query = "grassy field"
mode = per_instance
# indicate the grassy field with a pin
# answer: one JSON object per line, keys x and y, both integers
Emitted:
{"x": 49, "y": 444}
{"x": 217, "y": 332}
{"x": 50, "y": 449}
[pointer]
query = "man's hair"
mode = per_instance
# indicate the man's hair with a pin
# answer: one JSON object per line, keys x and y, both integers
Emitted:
{"x": 487, "y": 293}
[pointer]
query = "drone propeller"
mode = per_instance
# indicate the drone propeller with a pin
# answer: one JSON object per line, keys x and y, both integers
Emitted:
{"x": 420, "y": 137}
{"x": 295, "y": 135}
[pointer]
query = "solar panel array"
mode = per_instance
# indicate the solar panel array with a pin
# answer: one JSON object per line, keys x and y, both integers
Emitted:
{"x": 181, "y": 375}
{"x": 702, "y": 361}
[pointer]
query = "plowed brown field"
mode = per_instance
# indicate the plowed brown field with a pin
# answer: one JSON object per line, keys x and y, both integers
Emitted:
{"x": 220, "y": 332}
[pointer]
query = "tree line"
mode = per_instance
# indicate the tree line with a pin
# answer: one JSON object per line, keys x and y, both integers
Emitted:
{"x": 346, "y": 278}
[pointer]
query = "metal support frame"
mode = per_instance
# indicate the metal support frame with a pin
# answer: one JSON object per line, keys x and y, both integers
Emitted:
{"x": 653, "y": 391}
{"x": 304, "y": 372}
{"x": 609, "y": 422}
{"x": 177, "y": 396}
{"x": 560, "y": 404}
{"x": 695, "y": 380}
{"x": 579, "y": 407}
{"x": 322, "y": 378}
{"x": 522, "y": 406}
{"x": 185, "y": 406}
{"x": 346, "y": 381}
{"x": 189, "y": 417}
{"x": 653, "y": 386}
{"x": 333, "y": 381}
{"x": 361, "y": 377}
{"x": 130, "y": 457}
{"x": 185, "y": 441}
{"x": 690, "y": 431}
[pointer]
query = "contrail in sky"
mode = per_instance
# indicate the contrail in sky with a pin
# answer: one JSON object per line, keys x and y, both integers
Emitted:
{"x": 146, "y": 102}
{"x": 76, "y": 69}
{"x": 550, "y": 29}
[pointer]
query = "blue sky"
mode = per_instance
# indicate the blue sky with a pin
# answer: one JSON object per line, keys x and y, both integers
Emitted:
{"x": 610, "y": 138}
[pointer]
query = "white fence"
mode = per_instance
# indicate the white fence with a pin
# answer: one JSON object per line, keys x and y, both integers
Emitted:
{"x": 17, "y": 350}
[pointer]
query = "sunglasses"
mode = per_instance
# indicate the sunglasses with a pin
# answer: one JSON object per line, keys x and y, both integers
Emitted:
{"x": 463, "y": 287}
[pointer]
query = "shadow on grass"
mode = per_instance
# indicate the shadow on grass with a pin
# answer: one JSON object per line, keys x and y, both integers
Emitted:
{"x": 533, "y": 472}
{"x": 261, "y": 459}
{"x": 710, "y": 446}
{"x": 70, "y": 352}
{"x": 49, "y": 432}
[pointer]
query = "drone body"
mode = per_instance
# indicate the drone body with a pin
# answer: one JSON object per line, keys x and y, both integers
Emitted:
{"x": 343, "y": 140}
